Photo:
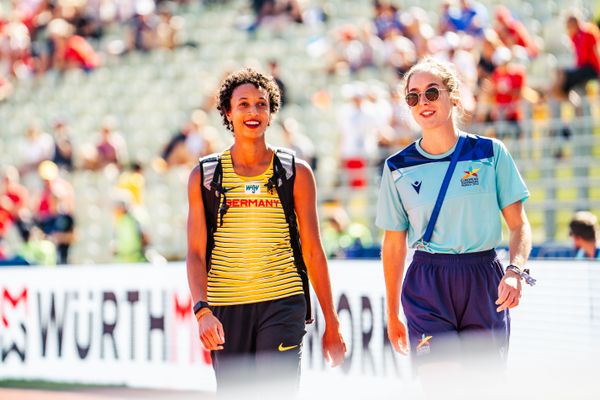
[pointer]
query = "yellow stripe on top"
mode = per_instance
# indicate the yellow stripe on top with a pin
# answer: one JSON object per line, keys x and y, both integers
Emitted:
{"x": 252, "y": 260}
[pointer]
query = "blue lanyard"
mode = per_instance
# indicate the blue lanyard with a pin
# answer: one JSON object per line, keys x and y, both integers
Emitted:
{"x": 440, "y": 199}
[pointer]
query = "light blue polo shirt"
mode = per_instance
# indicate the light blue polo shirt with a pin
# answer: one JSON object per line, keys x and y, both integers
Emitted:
{"x": 485, "y": 181}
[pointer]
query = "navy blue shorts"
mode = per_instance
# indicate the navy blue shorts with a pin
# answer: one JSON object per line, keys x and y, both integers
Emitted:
{"x": 263, "y": 344}
{"x": 449, "y": 304}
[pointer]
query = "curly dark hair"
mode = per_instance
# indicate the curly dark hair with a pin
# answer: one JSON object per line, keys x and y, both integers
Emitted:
{"x": 241, "y": 77}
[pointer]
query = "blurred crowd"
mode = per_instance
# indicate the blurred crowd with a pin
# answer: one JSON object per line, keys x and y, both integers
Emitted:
{"x": 490, "y": 47}
{"x": 41, "y": 35}
{"x": 37, "y": 199}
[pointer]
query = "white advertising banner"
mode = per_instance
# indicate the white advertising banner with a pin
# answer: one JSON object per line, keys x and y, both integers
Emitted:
{"x": 133, "y": 325}
{"x": 130, "y": 325}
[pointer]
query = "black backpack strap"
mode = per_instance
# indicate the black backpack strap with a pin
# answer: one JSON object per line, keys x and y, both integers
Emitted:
{"x": 211, "y": 172}
{"x": 284, "y": 175}
{"x": 208, "y": 165}
{"x": 286, "y": 163}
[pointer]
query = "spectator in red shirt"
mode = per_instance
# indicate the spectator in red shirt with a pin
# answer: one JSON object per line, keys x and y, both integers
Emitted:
{"x": 13, "y": 206}
{"x": 585, "y": 37}
{"x": 55, "y": 207}
{"x": 13, "y": 201}
{"x": 70, "y": 50}
{"x": 508, "y": 82}
{"x": 512, "y": 32}
{"x": 4, "y": 225}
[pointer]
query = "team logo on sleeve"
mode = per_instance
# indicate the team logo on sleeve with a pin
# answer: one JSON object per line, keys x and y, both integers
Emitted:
{"x": 471, "y": 178}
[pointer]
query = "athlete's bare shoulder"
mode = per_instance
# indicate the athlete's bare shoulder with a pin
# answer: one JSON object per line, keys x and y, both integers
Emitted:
{"x": 194, "y": 179}
{"x": 305, "y": 180}
{"x": 302, "y": 168}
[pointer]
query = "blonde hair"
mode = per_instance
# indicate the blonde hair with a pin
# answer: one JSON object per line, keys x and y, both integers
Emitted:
{"x": 447, "y": 74}
{"x": 442, "y": 70}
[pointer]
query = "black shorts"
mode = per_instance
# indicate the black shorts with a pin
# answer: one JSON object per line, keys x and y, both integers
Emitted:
{"x": 263, "y": 343}
{"x": 578, "y": 76}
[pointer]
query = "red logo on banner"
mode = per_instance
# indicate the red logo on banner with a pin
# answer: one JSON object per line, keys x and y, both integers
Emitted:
{"x": 7, "y": 297}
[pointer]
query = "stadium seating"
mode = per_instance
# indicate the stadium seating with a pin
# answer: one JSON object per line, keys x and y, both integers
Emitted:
{"x": 151, "y": 96}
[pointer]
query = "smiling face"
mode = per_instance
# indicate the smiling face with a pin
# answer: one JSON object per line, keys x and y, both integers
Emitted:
{"x": 249, "y": 110}
{"x": 431, "y": 114}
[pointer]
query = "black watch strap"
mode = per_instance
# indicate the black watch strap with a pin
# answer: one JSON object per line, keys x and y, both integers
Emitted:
{"x": 200, "y": 305}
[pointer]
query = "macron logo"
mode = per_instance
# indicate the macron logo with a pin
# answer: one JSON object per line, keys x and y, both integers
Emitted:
{"x": 417, "y": 186}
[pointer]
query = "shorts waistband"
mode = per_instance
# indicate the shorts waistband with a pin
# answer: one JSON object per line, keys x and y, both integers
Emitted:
{"x": 475, "y": 257}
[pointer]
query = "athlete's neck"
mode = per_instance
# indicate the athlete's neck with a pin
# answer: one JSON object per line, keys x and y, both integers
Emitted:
{"x": 439, "y": 140}
{"x": 250, "y": 159}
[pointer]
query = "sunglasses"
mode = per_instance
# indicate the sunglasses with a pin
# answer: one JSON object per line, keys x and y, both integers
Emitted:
{"x": 431, "y": 94}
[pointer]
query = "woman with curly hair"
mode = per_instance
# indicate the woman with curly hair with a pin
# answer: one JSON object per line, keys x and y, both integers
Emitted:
{"x": 249, "y": 294}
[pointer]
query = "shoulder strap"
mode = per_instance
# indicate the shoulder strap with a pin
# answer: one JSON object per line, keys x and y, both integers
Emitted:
{"x": 208, "y": 167}
{"x": 442, "y": 194}
{"x": 211, "y": 172}
{"x": 287, "y": 161}
{"x": 284, "y": 176}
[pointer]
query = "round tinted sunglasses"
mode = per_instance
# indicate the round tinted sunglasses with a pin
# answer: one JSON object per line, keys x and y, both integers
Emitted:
{"x": 431, "y": 94}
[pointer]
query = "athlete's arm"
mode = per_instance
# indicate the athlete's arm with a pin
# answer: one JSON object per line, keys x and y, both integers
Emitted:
{"x": 210, "y": 329}
{"x": 393, "y": 253}
{"x": 334, "y": 347}
{"x": 509, "y": 290}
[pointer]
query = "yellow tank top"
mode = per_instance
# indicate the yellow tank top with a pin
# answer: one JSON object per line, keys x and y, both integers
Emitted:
{"x": 252, "y": 260}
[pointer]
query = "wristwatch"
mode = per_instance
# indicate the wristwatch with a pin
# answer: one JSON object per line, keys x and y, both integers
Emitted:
{"x": 514, "y": 268}
{"x": 524, "y": 274}
{"x": 199, "y": 306}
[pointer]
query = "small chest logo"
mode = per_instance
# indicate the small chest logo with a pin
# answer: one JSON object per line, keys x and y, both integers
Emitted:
{"x": 417, "y": 186}
{"x": 471, "y": 178}
{"x": 252, "y": 188}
